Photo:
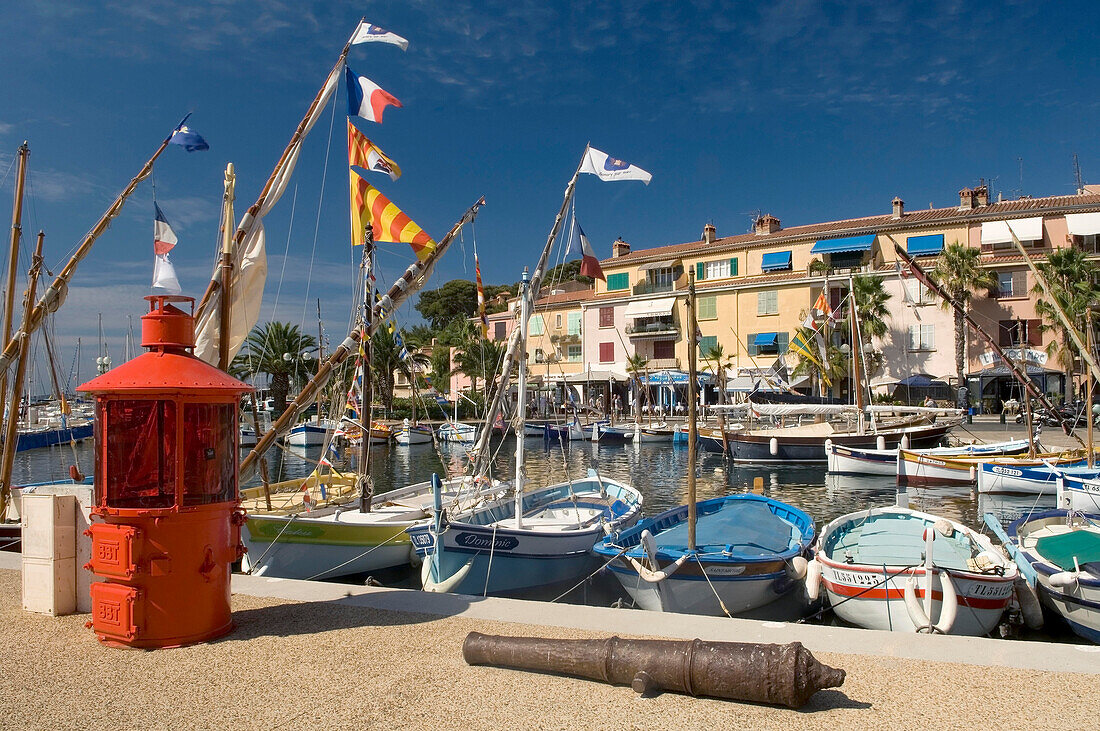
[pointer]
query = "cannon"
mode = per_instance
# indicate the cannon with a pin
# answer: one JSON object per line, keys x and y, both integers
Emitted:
{"x": 785, "y": 675}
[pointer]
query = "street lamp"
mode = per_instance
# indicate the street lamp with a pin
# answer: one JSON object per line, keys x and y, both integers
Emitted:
{"x": 103, "y": 364}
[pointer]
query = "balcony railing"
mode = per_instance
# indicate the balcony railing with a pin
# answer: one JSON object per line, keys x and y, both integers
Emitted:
{"x": 648, "y": 287}
{"x": 660, "y": 364}
{"x": 652, "y": 329}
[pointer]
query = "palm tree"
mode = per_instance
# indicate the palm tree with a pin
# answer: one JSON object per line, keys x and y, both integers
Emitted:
{"x": 871, "y": 303}
{"x": 1070, "y": 275}
{"x": 441, "y": 368}
{"x": 479, "y": 359}
{"x": 386, "y": 358}
{"x": 716, "y": 357}
{"x": 835, "y": 367}
{"x": 637, "y": 366}
{"x": 277, "y": 349}
{"x": 959, "y": 272}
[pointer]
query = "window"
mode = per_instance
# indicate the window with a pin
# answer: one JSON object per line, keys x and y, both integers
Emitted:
{"x": 768, "y": 343}
{"x": 846, "y": 260}
{"x": 708, "y": 308}
{"x": 535, "y": 325}
{"x": 1089, "y": 243}
{"x": 574, "y": 323}
{"x": 917, "y": 293}
{"x": 557, "y": 321}
{"x": 716, "y": 269}
{"x": 1012, "y": 284}
{"x": 607, "y": 352}
{"x": 661, "y": 277}
{"x": 618, "y": 281}
{"x": 540, "y": 356}
{"x": 210, "y": 466}
{"x": 573, "y": 354}
{"x": 664, "y": 349}
{"x": 767, "y": 303}
{"x": 607, "y": 317}
{"x": 1019, "y": 332}
{"x": 499, "y": 330}
{"x": 136, "y": 467}
{"x": 706, "y": 343}
{"x": 922, "y": 337}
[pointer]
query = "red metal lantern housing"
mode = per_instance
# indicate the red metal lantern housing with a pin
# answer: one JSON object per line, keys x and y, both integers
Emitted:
{"x": 166, "y": 493}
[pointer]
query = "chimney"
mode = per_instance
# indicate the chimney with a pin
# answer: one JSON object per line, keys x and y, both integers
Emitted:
{"x": 766, "y": 224}
{"x": 619, "y": 248}
{"x": 899, "y": 207}
{"x": 966, "y": 199}
{"x": 710, "y": 233}
{"x": 982, "y": 193}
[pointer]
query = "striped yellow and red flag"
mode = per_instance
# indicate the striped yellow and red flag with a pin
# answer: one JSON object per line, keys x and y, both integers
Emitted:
{"x": 481, "y": 300}
{"x": 366, "y": 154}
{"x": 388, "y": 223}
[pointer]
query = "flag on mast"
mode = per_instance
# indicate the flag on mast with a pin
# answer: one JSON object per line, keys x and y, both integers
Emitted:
{"x": 368, "y": 33}
{"x": 187, "y": 138}
{"x": 388, "y": 222}
{"x": 365, "y": 154}
{"x": 164, "y": 240}
{"x": 481, "y": 300}
{"x": 579, "y": 248}
{"x": 606, "y": 167}
{"x": 366, "y": 99}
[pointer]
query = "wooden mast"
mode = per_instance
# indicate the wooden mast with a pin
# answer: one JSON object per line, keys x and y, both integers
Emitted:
{"x": 225, "y": 306}
{"x": 11, "y": 436}
{"x": 366, "y": 486}
{"x": 1088, "y": 387}
{"x": 13, "y": 257}
{"x": 693, "y": 386}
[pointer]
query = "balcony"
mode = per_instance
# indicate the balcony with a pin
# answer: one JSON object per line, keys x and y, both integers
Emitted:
{"x": 648, "y": 287}
{"x": 561, "y": 338}
{"x": 654, "y": 329}
{"x": 663, "y": 364}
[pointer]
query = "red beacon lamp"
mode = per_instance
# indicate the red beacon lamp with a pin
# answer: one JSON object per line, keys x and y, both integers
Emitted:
{"x": 166, "y": 494}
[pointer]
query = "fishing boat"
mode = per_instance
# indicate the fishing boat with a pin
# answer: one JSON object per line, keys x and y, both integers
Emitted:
{"x": 413, "y": 434}
{"x": 659, "y": 433}
{"x": 52, "y": 432}
{"x": 1030, "y": 479}
{"x": 901, "y": 570}
{"x": 455, "y": 432}
{"x": 856, "y": 461}
{"x": 744, "y": 557}
{"x": 919, "y": 468}
{"x": 725, "y": 555}
{"x": 313, "y": 527}
{"x": 311, "y": 433}
{"x": 572, "y": 431}
{"x": 1076, "y": 492}
{"x": 1063, "y": 548}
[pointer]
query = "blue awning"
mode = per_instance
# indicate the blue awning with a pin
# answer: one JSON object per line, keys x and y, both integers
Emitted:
{"x": 924, "y": 245}
{"x": 839, "y": 246}
{"x": 764, "y": 339}
{"x": 775, "y": 261}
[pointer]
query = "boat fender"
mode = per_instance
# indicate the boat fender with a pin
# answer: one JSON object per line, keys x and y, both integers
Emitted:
{"x": 813, "y": 580}
{"x": 944, "y": 527}
{"x": 973, "y": 473}
{"x": 773, "y": 446}
{"x": 415, "y": 559}
{"x": 905, "y": 441}
{"x": 656, "y": 577}
{"x": 1028, "y": 600}
{"x": 1064, "y": 579}
{"x": 880, "y": 442}
{"x": 447, "y": 585}
{"x": 797, "y": 567}
{"x": 949, "y": 605}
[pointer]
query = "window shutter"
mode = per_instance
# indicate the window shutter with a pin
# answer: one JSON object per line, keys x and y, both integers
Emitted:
{"x": 1034, "y": 332}
{"x": 782, "y": 340}
{"x": 733, "y": 267}
{"x": 700, "y": 271}
{"x": 607, "y": 352}
{"x": 751, "y": 344}
{"x": 1019, "y": 284}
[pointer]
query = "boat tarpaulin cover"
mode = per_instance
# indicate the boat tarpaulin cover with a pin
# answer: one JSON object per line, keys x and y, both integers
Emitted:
{"x": 924, "y": 245}
{"x": 1026, "y": 229}
{"x": 768, "y": 409}
{"x": 775, "y": 260}
{"x": 1061, "y": 549}
{"x": 846, "y": 244}
{"x": 746, "y": 528}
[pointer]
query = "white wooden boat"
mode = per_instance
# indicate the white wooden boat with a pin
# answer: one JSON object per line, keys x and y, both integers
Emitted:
{"x": 311, "y": 433}
{"x": 918, "y": 468}
{"x": 901, "y": 570}
{"x": 1029, "y": 479}
{"x": 456, "y": 432}
{"x": 660, "y": 433}
{"x": 413, "y": 434}
{"x": 859, "y": 461}
{"x": 750, "y": 550}
{"x": 1079, "y": 493}
{"x": 1064, "y": 550}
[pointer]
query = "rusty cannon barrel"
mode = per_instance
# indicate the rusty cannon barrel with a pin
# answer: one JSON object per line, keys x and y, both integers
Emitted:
{"x": 784, "y": 675}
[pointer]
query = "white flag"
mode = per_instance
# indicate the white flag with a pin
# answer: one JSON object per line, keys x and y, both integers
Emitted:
{"x": 367, "y": 33}
{"x": 608, "y": 168}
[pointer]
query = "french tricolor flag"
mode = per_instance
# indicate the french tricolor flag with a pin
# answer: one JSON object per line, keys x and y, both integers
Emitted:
{"x": 366, "y": 99}
{"x": 164, "y": 239}
{"x": 579, "y": 248}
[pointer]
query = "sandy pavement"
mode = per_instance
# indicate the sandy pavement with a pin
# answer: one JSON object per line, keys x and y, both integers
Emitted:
{"x": 320, "y": 664}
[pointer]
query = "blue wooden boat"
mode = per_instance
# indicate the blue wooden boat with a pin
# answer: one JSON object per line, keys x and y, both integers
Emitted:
{"x": 750, "y": 550}
{"x": 38, "y": 438}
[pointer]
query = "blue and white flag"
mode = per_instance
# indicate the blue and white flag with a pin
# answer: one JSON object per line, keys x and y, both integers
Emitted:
{"x": 187, "y": 138}
{"x": 366, "y": 99}
{"x": 606, "y": 167}
{"x": 368, "y": 33}
{"x": 164, "y": 240}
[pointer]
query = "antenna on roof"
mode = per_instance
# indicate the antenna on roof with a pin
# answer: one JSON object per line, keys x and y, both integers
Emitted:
{"x": 1020, "y": 160}
{"x": 1079, "y": 183}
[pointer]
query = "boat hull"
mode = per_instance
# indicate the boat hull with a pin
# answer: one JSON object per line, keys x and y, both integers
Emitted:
{"x": 759, "y": 447}
{"x": 1082, "y": 495}
{"x": 310, "y": 434}
{"x": 856, "y": 461}
{"x": 413, "y": 435}
{"x": 1033, "y": 479}
{"x": 53, "y": 437}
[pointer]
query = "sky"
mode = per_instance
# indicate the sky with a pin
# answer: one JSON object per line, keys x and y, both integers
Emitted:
{"x": 810, "y": 111}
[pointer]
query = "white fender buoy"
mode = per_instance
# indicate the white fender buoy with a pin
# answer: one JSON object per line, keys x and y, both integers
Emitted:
{"x": 880, "y": 442}
{"x": 973, "y": 473}
{"x": 656, "y": 577}
{"x": 949, "y": 606}
{"x": 796, "y": 568}
{"x": 773, "y": 446}
{"x": 905, "y": 441}
{"x": 912, "y": 605}
{"x": 415, "y": 559}
{"x": 1028, "y": 600}
{"x": 813, "y": 580}
{"x": 1064, "y": 579}
{"x": 944, "y": 527}
{"x": 246, "y": 564}
{"x": 442, "y": 587}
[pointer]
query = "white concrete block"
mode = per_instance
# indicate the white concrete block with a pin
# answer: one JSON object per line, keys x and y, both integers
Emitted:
{"x": 49, "y": 585}
{"x": 49, "y": 526}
